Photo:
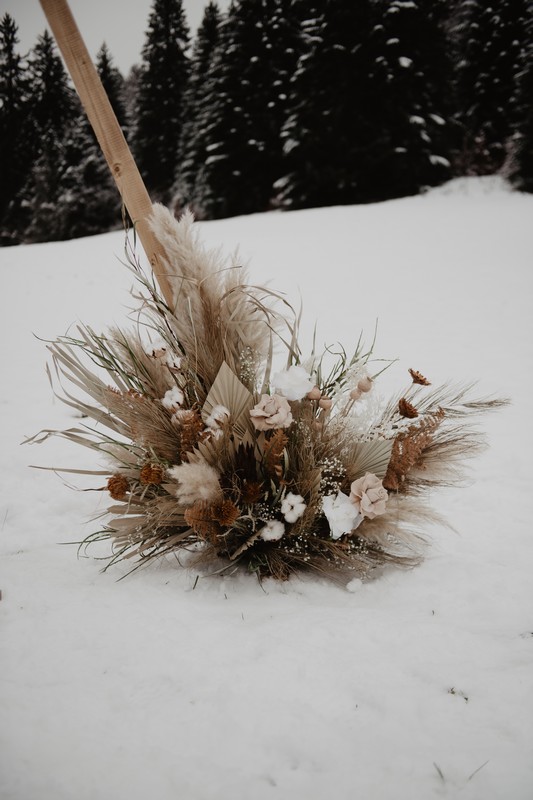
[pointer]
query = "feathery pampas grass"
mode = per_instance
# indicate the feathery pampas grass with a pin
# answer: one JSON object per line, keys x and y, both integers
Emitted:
{"x": 216, "y": 455}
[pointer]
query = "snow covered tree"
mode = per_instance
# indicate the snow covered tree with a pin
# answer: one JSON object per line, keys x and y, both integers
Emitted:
{"x": 88, "y": 201}
{"x": 71, "y": 192}
{"x": 39, "y": 221}
{"x": 160, "y": 99}
{"x": 409, "y": 102}
{"x": 113, "y": 83}
{"x": 13, "y": 124}
{"x": 54, "y": 103}
{"x": 491, "y": 41}
{"x": 197, "y": 104}
{"x": 328, "y": 131}
{"x": 53, "y": 106}
{"x": 519, "y": 167}
{"x": 242, "y": 118}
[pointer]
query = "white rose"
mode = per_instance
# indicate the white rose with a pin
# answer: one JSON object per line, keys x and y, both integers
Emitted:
{"x": 341, "y": 514}
{"x": 293, "y": 383}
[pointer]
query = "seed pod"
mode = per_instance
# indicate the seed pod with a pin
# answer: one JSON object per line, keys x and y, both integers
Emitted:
{"x": 365, "y": 384}
{"x": 314, "y": 394}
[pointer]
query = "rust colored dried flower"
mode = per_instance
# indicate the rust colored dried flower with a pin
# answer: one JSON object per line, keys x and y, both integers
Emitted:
{"x": 419, "y": 378}
{"x": 117, "y": 486}
{"x": 226, "y": 512}
{"x": 151, "y": 474}
{"x": 251, "y": 492}
{"x": 407, "y": 409}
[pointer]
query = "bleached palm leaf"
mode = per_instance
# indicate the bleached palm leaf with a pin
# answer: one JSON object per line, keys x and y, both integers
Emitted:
{"x": 371, "y": 457}
{"x": 228, "y": 391}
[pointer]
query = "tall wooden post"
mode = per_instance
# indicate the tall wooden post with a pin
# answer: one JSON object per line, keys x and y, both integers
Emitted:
{"x": 108, "y": 132}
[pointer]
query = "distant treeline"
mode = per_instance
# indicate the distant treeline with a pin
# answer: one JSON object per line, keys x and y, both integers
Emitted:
{"x": 275, "y": 104}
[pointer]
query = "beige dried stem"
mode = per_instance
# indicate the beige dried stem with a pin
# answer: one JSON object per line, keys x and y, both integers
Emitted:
{"x": 108, "y": 132}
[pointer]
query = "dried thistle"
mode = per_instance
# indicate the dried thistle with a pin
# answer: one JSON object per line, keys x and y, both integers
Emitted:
{"x": 191, "y": 427}
{"x": 226, "y": 512}
{"x": 407, "y": 409}
{"x": 151, "y": 474}
{"x": 200, "y": 517}
{"x": 418, "y": 378}
{"x": 251, "y": 492}
{"x": 117, "y": 486}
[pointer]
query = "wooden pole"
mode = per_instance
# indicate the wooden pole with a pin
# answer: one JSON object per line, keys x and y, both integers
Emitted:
{"x": 108, "y": 132}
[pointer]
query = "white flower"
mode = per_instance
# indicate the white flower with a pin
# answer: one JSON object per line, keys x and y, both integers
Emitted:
{"x": 195, "y": 482}
{"x": 217, "y": 417}
{"x": 272, "y": 531}
{"x": 293, "y": 383}
{"x": 173, "y": 399}
{"x": 293, "y": 507}
{"x": 341, "y": 514}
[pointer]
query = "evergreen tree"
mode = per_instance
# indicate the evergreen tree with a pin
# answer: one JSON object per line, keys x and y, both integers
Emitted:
{"x": 88, "y": 201}
{"x": 71, "y": 192}
{"x": 242, "y": 122}
{"x": 491, "y": 42}
{"x": 520, "y": 162}
{"x": 53, "y": 106}
{"x": 197, "y": 106}
{"x": 13, "y": 125}
{"x": 113, "y": 83}
{"x": 39, "y": 221}
{"x": 328, "y": 131}
{"x": 54, "y": 103}
{"x": 160, "y": 100}
{"x": 410, "y": 101}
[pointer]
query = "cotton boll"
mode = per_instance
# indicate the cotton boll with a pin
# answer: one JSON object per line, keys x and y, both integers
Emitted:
{"x": 173, "y": 399}
{"x": 272, "y": 531}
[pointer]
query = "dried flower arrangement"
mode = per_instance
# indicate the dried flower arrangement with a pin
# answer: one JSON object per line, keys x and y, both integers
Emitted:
{"x": 215, "y": 453}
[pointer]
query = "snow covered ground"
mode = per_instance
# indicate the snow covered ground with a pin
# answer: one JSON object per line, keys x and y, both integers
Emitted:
{"x": 416, "y": 685}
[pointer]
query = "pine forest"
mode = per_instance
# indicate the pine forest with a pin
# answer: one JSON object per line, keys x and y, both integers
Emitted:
{"x": 274, "y": 104}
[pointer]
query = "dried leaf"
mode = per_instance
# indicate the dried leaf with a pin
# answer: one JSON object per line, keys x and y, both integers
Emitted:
{"x": 371, "y": 457}
{"x": 228, "y": 391}
{"x": 274, "y": 450}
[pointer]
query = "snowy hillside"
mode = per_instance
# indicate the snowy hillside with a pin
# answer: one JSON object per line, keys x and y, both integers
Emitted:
{"x": 416, "y": 685}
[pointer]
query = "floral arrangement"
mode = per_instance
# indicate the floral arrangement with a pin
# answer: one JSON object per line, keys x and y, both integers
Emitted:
{"x": 212, "y": 451}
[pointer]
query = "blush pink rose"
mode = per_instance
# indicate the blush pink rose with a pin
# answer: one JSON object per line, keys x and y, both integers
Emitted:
{"x": 272, "y": 411}
{"x": 369, "y": 496}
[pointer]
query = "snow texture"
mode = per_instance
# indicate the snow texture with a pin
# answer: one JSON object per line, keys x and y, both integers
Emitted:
{"x": 168, "y": 685}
